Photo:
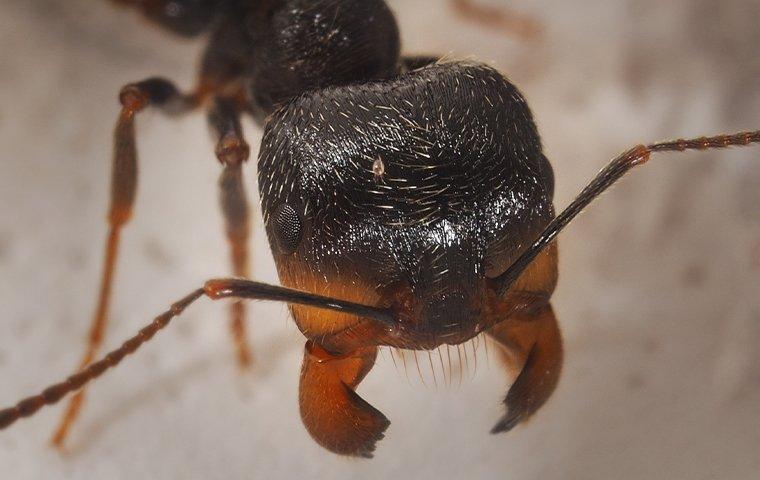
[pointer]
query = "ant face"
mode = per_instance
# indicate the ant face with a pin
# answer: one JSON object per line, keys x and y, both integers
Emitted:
{"x": 394, "y": 192}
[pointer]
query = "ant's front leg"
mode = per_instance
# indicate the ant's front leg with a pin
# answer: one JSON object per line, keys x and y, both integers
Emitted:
{"x": 335, "y": 416}
{"x": 232, "y": 151}
{"x": 134, "y": 98}
{"x": 531, "y": 346}
{"x": 500, "y": 18}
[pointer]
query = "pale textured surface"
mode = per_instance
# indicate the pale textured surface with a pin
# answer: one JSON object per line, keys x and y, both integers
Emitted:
{"x": 660, "y": 283}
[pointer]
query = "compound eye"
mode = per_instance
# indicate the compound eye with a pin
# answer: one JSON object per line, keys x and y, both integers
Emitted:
{"x": 288, "y": 228}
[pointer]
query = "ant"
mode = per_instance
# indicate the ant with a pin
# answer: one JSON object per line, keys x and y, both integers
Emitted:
{"x": 406, "y": 200}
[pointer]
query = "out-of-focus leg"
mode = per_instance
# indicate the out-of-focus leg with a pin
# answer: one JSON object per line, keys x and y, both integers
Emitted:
{"x": 500, "y": 18}
{"x": 232, "y": 151}
{"x": 134, "y": 97}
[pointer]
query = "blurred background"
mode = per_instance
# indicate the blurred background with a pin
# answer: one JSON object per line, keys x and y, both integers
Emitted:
{"x": 659, "y": 294}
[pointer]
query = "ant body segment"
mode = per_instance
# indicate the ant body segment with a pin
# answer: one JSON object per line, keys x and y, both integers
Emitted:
{"x": 407, "y": 202}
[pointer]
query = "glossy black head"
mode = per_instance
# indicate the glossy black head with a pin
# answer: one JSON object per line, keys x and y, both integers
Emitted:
{"x": 416, "y": 189}
{"x": 302, "y": 45}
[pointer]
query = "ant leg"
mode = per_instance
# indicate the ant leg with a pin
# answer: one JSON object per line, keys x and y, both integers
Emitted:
{"x": 214, "y": 289}
{"x": 531, "y": 345}
{"x": 232, "y": 151}
{"x": 508, "y": 21}
{"x": 334, "y": 415}
{"x": 134, "y": 98}
{"x": 638, "y": 155}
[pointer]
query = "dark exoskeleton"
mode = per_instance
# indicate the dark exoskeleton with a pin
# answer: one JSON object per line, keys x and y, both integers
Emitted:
{"x": 407, "y": 201}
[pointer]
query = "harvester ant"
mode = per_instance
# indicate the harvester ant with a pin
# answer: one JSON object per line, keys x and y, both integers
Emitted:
{"x": 407, "y": 202}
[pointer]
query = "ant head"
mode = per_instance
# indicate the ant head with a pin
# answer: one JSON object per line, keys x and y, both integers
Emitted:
{"x": 414, "y": 190}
